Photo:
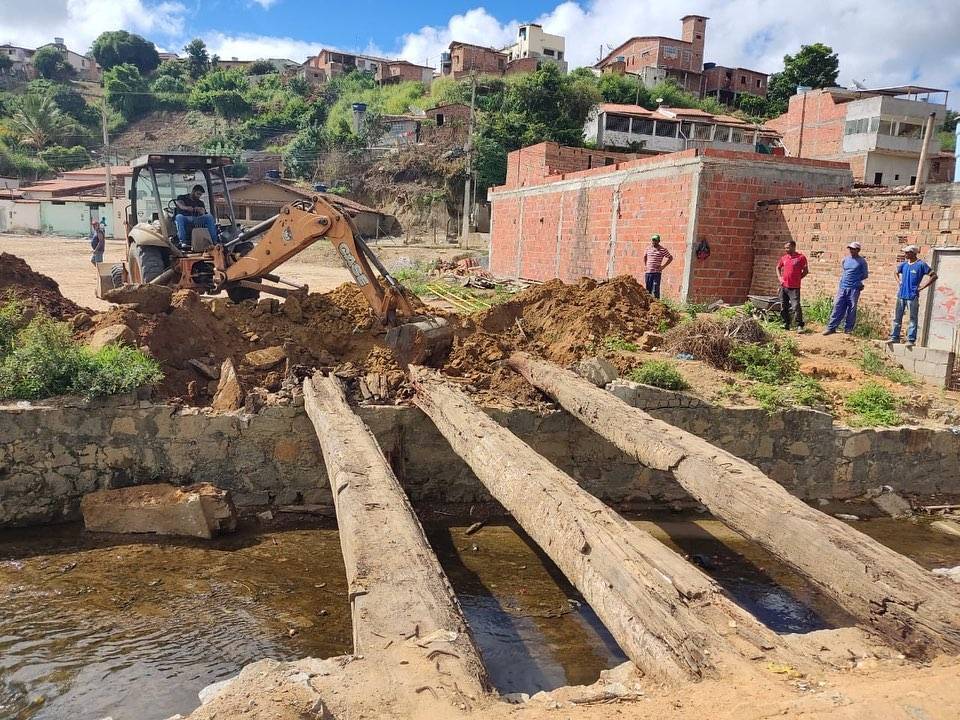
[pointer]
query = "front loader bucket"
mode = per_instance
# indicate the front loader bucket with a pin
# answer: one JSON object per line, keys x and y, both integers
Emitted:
{"x": 415, "y": 341}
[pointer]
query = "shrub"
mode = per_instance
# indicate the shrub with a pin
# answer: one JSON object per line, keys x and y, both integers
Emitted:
{"x": 767, "y": 362}
{"x": 711, "y": 339}
{"x": 818, "y": 310}
{"x": 42, "y": 360}
{"x": 873, "y": 404}
{"x": 659, "y": 373}
{"x": 615, "y": 343}
{"x": 801, "y": 390}
{"x": 874, "y": 363}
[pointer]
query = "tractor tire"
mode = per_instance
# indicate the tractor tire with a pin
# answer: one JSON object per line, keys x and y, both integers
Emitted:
{"x": 116, "y": 275}
{"x": 145, "y": 262}
{"x": 238, "y": 294}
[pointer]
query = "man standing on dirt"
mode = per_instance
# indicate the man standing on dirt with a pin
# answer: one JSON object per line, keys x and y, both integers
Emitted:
{"x": 98, "y": 241}
{"x": 192, "y": 213}
{"x": 791, "y": 269}
{"x": 910, "y": 274}
{"x": 853, "y": 271}
{"x": 656, "y": 258}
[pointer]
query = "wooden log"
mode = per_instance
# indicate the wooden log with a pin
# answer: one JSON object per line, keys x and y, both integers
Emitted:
{"x": 400, "y": 598}
{"x": 672, "y": 620}
{"x": 886, "y": 591}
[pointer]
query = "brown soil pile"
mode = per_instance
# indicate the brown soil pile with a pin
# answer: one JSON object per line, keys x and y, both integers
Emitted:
{"x": 336, "y": 331}
{"x": 19, "y": 280}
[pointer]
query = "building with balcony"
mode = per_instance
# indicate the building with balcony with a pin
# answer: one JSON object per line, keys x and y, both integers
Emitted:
{"x": 878, "y": 132}
{"x": 726, "y": 84}
{"x": 533, "y": 42}
{"x": 664, "y": 130}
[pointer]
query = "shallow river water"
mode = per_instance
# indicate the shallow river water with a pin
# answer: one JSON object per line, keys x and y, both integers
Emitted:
{"x": 132, "y": 627}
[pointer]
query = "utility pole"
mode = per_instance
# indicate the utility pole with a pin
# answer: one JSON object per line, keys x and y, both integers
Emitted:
{"x": 465, "y": 220}
{"x": 106, "y": 149}
{"x": 921, "y": 182}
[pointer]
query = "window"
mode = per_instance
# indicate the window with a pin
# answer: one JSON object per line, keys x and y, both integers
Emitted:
{"x": 699, "y": 36}
{"x": 642, "y": 127}
{"x": 687, "y": 56}
{"x": 909, "y": 130}
{"x": 855, "y": 127}
{"x": 439, "y": 119}
{"x": 743, "y": 79}
{"x": 701, "y": 131}
{"x": 896, "y": 177}
{"x": 617, "y": 123}
{"x": 913, "y": 179}
{"x": 738, "y": 135}
{"x": 670, "y": 52}
{"x": 885, "y": 127}
{"x": 665, "y": 128}
{"x": 758, "y": 82}
{"x": 523, "y": 32}
{"x": 608, "y": 161}
{"x": 559, "y": 54}
{"x": 548, "y": 52}
{"x": 686, "y": 129}
{"x": 878, "y": 178}
{"x": 722, "y": 134}
{"x": 874, "y": 124}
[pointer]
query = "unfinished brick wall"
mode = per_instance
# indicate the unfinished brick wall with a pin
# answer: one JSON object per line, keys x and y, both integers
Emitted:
{"x": 534, "y": 163}
{"x": 822, "y": 228}
{"x": 813, "y": 126}
{"x": 597, "y": 223}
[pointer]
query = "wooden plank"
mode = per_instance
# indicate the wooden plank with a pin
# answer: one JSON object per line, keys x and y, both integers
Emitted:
{"x": 673, "y": 621}
{"x": 401, "y": 601}
{"x": 889, "y": 593}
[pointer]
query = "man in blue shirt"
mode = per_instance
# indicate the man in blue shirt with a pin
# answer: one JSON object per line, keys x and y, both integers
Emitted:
{"x": 853, "y": 271}
{"x": 910, "y": 275}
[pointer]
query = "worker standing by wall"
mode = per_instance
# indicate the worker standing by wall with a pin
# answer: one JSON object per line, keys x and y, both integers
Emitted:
{"x": 910, "y": 274}
{"x": 791, "y": 269}
{"x": 656, "y": 258}
{"x": 853, "y": 271}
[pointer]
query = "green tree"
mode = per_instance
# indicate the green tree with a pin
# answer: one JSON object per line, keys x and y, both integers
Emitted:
{"x": 815, "y": 66}
{"x": 261, "y": 67}
{"x": 52, "y": 64}
{"x": 172, "y": 68}
{"x": 39, "y": 121}
{"x": 222, "y": 91}
{"x": 119, "y": 47}
{"x": 198, "y": 59}
{"x": 753, "y": 105}
{"x": 624, "y": 89}
{"x": 65, "y": 158}
{"x": 127, "y": 91}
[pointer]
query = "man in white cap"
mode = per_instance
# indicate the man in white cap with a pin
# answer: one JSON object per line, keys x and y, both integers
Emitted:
{"x": 853, "y": 271}
{"x": 910, "y": 276}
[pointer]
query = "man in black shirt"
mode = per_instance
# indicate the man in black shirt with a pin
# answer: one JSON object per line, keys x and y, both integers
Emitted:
{"x": 192, "y": 213}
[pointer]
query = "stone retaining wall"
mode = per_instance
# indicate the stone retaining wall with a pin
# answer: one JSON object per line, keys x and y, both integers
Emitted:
{"x": 51, "y": 455}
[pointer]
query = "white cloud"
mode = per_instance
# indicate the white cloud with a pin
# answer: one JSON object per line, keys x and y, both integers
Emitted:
{"x": 250, "y": 47}
{"x": 79, "y": 22}
{"x": 266, "y": 4}
{"x": 474, "y": 26}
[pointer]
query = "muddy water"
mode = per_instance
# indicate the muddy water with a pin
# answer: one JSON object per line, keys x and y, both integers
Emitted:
{"x": 132, "y": 627}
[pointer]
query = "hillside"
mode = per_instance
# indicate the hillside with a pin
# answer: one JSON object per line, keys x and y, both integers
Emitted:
{"x": 166, "y": 130}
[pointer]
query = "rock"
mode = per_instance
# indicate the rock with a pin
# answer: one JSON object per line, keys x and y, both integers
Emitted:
{"x": 209, "y": 372}
{"x": 951, "y": 573}
{"x": 893, "y": 505}
{"x": 218, "y": 306}
{"x": 80, "y": 321}
{"x": 209, "y": 692}
{"x": 149, "y": 299}
{"x": 846, "y": 516}
{"x": 515, "y": 698}
{"x": 266, "y": 358}
{"x": 256, "y": 400}
{"x": 112, "y": 335}
{"x": 194, "y": 511}
{"x": 651, "y": 341}
{"x": 229, "y": 395}
{"x": 947, "y": 527}
{"x": 265, "y": 516}
{"x": 596, "y": 370}
{"x": 292, "y": 308}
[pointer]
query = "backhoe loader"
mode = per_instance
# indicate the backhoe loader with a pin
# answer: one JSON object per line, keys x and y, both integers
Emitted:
{"x": 240, "y": 261}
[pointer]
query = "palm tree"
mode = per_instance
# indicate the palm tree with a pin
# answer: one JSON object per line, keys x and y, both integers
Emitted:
{"x": 39, "y": 120}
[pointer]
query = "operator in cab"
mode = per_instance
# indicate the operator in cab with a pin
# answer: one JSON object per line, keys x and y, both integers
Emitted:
{"x": 192, "y": 213}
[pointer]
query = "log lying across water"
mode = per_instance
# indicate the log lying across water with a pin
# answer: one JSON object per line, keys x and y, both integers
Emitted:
{"x": 887, "y": 592}
{"x": 673, "y": 621}
{"x": 400, "y": 598}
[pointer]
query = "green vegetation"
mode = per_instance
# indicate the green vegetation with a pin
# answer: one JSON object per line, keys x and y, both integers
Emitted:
{"x": 815, "y": 66}
{"x": 772, "y": 362}
{"x": 127, "y": 91}
{"x": 818, "y": 309}
{"x": 873, "y": 405}
{"x": 659, "y": 373}
{"x": 119, "y": 47}
{"x": 874, "y": 363}
{"x": 870, "y": 324}
{"x": 800, "y": 390}
{"x": 40, "y": 359}
{"x": 51, "y": 64}
{"x": 615, "y": 343}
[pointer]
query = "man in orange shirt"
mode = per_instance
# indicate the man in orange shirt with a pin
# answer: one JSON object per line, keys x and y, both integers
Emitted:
{"x": 791, "y": 269}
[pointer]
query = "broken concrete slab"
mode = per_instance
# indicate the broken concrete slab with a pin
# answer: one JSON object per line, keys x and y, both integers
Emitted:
{"x": 149, "y": 299}
{"x": 112, "y": 335}
{"x": 947, "y": 527}
{"x": 893, "y": 505}
{"x": 194, "y": 511}
{"x": 266, "y": 358}
{"x": 596, "y": 370}
{"x": 229, "y": 395}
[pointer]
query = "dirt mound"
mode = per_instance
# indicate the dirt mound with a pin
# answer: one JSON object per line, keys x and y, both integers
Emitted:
{"x": 19, "y": 279}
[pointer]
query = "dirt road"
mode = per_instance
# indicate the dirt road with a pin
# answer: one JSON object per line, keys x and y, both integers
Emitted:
{"x": 68, "y": 262}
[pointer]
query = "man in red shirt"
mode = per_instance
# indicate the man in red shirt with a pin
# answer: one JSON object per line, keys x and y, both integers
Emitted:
{"x": 791, "y": 269}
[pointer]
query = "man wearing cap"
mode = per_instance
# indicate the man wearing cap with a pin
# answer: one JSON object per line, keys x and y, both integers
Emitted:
{"x": 910, "y": 276}
{"x": 791, "y": 269}
{"x": 853, "y": 271}
{"x": 656, "y": 258}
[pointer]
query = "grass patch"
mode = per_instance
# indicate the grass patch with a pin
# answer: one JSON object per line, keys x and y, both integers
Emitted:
{"x": 616, "y": 343}
{"x": 873, "y": 405}
{"x": 659, "y": 373}
{"x": 873, "y": 363}
{"x": 871, "y": 325}
{"x": 415, "y": 278}
{"x": 41, "y": 360}
{"x": 773, "y": 362}
{"x": 818, "y": 310}
{"x": 802, "y": 390}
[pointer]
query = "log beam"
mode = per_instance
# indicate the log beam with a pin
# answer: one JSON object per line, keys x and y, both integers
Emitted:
{"x": 884, "y": 590}
{"x": 672, "y": 620}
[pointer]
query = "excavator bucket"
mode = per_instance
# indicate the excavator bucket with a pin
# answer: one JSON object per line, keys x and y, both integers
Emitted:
{"x": 418, "y": 340}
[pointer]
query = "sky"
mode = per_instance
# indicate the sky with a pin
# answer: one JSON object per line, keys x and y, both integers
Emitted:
{"x": 880, "y": 42}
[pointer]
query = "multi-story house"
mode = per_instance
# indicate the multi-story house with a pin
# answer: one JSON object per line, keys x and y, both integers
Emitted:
{"x": 726, "y": 84}
{"x": 328, "y": 64}
{"x": 86, "y": 67}
{"x": 878, "y": 132}
{"x": 533, "y": 42}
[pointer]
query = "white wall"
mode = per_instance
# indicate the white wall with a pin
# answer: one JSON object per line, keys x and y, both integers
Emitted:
{"x": 890, "y": 166}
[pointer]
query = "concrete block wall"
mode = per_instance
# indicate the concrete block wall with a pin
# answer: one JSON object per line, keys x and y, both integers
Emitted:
{"x": 597, "y": 223}
{"x": 933, "y": 366}
{"x": 822, "y": 228}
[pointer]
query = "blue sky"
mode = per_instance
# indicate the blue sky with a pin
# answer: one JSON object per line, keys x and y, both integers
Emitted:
{"x": 880, "y": 42}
